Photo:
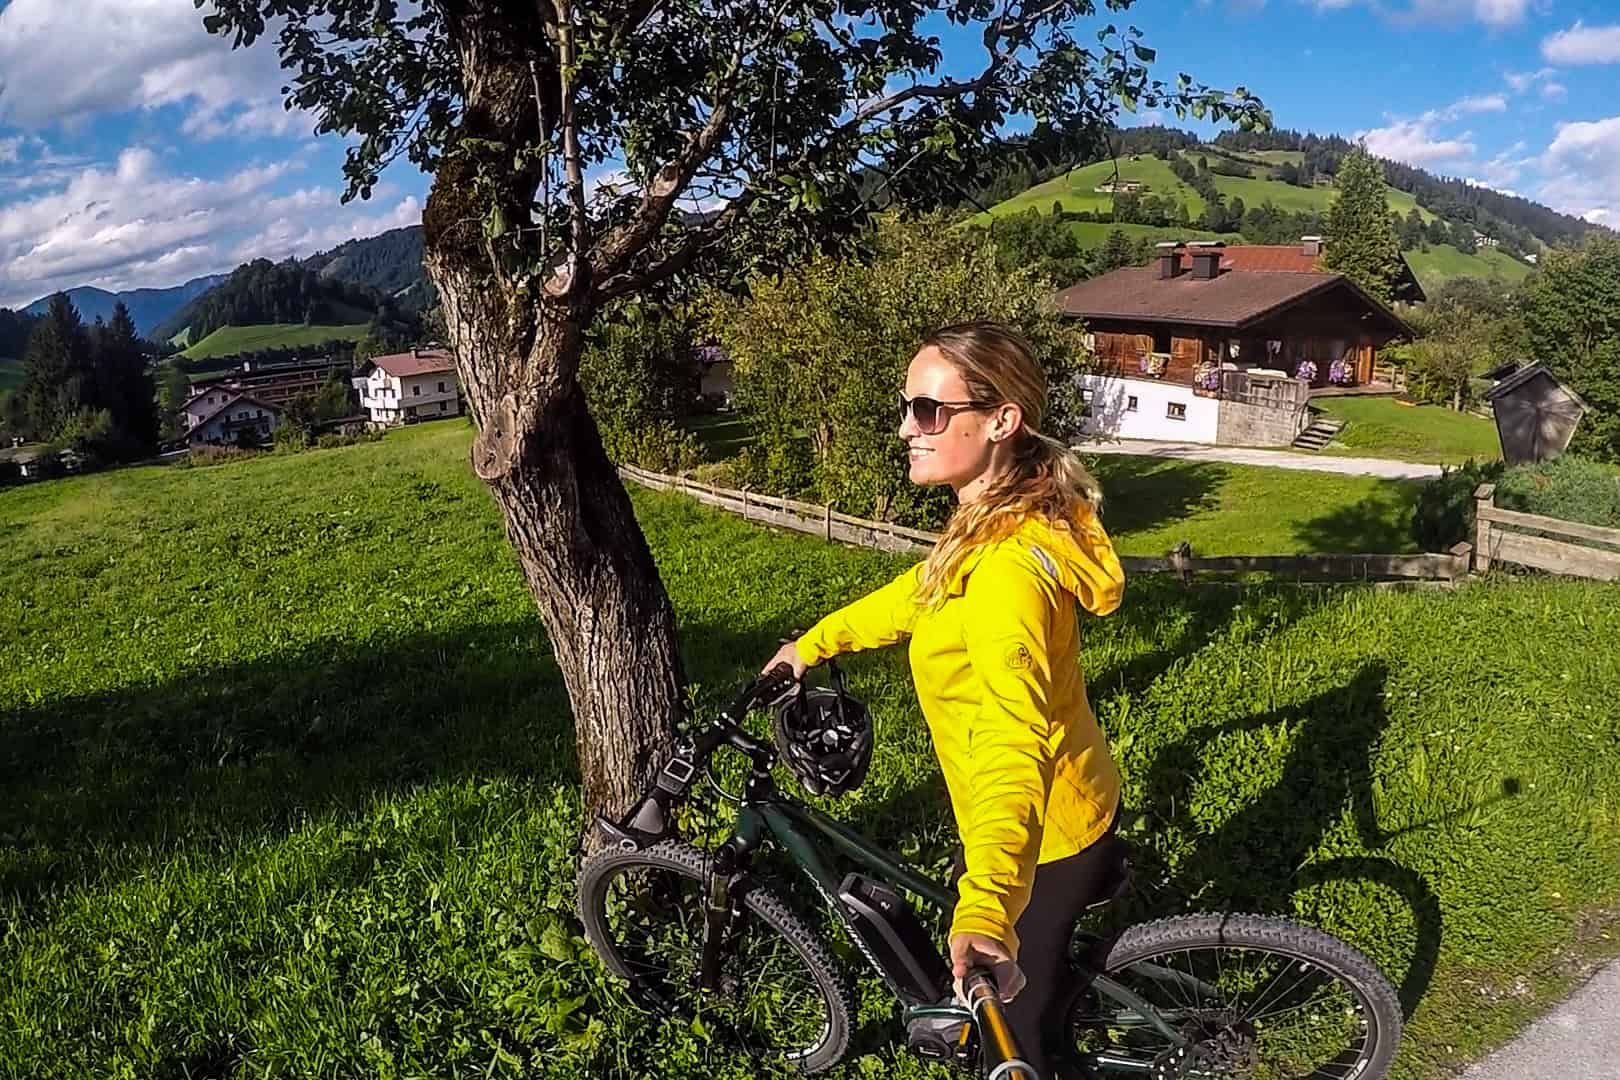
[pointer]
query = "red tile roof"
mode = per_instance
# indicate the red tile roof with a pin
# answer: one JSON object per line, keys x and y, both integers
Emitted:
{"x": 1261, "y": 257}
{"x": 416, "y": 362}
{"x": 1233, "y": 299}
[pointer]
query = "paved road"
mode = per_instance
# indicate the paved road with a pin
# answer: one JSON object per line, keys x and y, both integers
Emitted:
{"x": 1579, "y": 1040}
{"x": 1276, "y": 459}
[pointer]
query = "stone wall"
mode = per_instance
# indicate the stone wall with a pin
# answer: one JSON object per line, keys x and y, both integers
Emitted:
{"x": 1257, "y": 425}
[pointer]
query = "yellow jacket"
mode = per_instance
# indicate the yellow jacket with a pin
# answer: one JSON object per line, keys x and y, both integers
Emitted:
{"x": 998, "y": 676}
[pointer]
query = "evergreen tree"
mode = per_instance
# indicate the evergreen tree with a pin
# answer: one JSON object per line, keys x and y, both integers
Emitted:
{"x": 122, "y": 384}
{"x": 1362, "y": 244}
{"x": 1462, "y": 237}
{"x": 56, "y": 369}
{"x": 1116, "y": 251}
{"x": 174, "y": 389}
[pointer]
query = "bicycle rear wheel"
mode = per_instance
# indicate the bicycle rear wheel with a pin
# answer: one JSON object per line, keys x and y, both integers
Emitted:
{"x": 781, "y": 994}
{"x": 1253, "y": 996}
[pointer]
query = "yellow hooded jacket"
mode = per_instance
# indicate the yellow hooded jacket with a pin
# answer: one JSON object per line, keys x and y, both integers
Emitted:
{"x": 997, "y": 670}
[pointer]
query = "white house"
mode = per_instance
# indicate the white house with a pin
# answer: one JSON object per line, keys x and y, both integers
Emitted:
{"x": 206, "y": 402}
{"x": 241, "y": 418}
{"x": 404, "y": 388}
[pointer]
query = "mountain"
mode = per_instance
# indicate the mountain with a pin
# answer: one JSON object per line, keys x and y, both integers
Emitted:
{"x": 262, "y": 292}
{"x": 148, "y": 307}
{"x": 390, "y": 262}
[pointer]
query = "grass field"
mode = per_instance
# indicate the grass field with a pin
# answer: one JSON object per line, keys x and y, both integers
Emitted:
{"x": 1091, "y": 234}
{"x": 289, "y": 792}
{"x": 11, "y": 373}
{"x": 228, "y": 340}
{"x": 1151, "y": 504}
{"x": 1382, "y": 427}
{"x": 1444, "y": 261}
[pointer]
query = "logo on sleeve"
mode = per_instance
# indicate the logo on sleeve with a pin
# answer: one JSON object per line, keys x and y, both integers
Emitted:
{"x": 1019, "y": 659}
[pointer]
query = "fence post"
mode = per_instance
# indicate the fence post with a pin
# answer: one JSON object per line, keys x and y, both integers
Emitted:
{"x": 745, "y": 502}
{"x": 1484, "y": 499}
{"x": 826, "y": 521}
{"x": 1180, "y": 555}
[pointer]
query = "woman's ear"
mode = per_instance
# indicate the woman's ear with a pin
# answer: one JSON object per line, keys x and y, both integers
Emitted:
{"x": 1005, "y": 421}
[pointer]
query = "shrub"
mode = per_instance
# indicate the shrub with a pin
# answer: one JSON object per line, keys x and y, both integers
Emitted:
{"x": 202, "y": 456}
{"x": 640, "y": 375}
{"x": 1571, "y": 488}
{"x": 1444, "y": 513}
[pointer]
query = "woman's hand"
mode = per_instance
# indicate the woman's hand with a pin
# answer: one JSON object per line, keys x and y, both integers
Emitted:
{"x": 788, "y": 654}
{"x": 976, "y": 950}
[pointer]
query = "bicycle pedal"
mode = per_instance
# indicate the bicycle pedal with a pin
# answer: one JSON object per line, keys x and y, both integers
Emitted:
{"x": 944, "y": 1040}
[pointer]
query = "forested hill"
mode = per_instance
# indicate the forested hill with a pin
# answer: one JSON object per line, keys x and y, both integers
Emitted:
{"x": 262, "y": 292}
{"x": 390, "y": 262}
{"x": 1288, "y": 168}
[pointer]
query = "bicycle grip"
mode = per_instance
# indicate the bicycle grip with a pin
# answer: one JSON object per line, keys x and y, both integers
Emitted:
{"x": 1002, "y": 1058}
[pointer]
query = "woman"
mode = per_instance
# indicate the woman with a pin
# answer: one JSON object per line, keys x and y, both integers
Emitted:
{"x": 991, "y": 615}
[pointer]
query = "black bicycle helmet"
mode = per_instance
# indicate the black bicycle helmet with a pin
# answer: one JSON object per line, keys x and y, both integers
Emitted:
{"x": 824, "y": 736}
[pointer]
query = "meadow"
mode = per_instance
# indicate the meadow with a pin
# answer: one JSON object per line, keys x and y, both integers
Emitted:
{"x": 290, "y": 783}
{"x": 230, "y": 340}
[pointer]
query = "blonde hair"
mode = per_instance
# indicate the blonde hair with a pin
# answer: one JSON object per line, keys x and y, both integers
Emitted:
{"x": 1045, "y": 478}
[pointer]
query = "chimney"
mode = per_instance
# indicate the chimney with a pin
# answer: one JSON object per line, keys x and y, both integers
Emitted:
{"x": 1310, "y": 245}
{"x": 1169, "y": 259}
{"x": 1206, "y": 264}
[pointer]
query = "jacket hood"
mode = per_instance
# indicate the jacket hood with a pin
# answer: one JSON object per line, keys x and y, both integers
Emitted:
{"x": 1068, "y": 555}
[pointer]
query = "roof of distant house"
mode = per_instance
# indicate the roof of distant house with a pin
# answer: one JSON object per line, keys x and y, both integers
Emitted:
{"x": 416, "y": 362}
{"x": 238, "y": 398}
{"x": 1233, "y": 299}
{"x": 1261, "y": 257}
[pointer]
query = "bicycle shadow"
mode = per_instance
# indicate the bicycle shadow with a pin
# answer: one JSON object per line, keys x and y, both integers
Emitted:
{"x": 1260, "y": 857}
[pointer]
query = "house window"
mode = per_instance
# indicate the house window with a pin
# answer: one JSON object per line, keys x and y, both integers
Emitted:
{"x": 1161, "y": 341}
{"x": 258, "y": 412}
{"x": 444, "y": 406}
{"x": 1086, "y": 399}
{"x": 1130, "y": 403}
{"x": 441, "y": 388}
{"x": 416, "y": 389}
{"x": 1175, "y": 411}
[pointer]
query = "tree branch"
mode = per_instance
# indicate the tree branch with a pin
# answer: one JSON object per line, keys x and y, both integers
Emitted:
{"x": 626, "y": 282}
{"x": 620, "y": 245}
{"x": 566, "y": 279}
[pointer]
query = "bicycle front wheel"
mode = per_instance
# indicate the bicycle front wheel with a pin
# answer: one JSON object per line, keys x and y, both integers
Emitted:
{"x": 781, "y": 994}
{"x": 1247, "y": 996}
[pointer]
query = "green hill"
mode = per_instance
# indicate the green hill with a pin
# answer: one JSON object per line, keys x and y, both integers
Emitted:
{"x": 11, "y": 373}
{"x": 1444, "y": 261}
{"x": 229, "y": 340}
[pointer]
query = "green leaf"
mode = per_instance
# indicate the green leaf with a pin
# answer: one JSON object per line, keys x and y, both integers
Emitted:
{"x": 556, "y": 942}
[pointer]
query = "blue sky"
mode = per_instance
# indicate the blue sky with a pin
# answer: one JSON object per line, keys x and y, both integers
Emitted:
{"x": 145, "y": 152}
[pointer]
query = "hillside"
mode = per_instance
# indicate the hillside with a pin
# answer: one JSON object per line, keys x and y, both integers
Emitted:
{"x": 1260, "y": 208}
{"x": 230, "y": 340}
{"x": 390, "y": 263}
{"x": 11, "y": 373}
{"x": 147, "y": 307}
{"x": 262, "y": 293}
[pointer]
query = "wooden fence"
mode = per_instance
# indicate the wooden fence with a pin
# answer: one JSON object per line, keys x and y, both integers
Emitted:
{"x": 1498, "y": 537}
{"x": 829, "y": 524}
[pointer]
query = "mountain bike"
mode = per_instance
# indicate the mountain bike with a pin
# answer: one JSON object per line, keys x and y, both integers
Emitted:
{"x": 700, "y": 936}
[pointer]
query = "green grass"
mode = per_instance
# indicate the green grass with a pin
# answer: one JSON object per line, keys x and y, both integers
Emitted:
{"x": 1091, "y": 234}
{"x": 722, "y": 435}
{"x": 289, "y": 791}
{"x": 11, "y": 373}
{"x": 1382, "y": 427}
{"x": 1444, "y": 261}
{"x": 228, "y": 340}
{"x": 1151, "y": 504}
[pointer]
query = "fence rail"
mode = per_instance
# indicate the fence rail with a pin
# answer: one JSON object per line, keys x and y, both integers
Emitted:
{"x": 1497, "y": 539}
{"x": 830, "y": 524}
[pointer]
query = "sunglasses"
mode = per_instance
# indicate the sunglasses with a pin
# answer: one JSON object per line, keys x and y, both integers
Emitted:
{"x": 933, "y": 416}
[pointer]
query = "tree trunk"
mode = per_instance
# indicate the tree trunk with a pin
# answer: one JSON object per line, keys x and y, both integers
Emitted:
{"x": 582, "y": 553}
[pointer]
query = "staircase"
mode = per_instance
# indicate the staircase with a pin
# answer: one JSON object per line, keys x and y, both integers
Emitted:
{"x": 1319, "y": 434}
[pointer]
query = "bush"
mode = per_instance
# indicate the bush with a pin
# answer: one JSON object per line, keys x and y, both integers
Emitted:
{"x": 203, "y": 456}
{"x": 639, "y": 375}
{"x": 1570, "y": 488}
{"x": 1444, "y": 513}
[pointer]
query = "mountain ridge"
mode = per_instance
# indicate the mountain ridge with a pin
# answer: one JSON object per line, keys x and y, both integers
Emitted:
{"x": 148, "y": 307}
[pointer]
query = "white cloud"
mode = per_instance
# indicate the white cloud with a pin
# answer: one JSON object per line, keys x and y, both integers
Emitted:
{"x": 1481, "y": 103}
{"x": 142, "y": 54}
{"x": 1581, "y": 169}
{"x": 1555, "y": 91}
{"x": 1520, "y": 81}
{"x": 1493, "y": 13}
{"x": 10, "y": 149}
{"x": 1582, "y": 44}
{"x": 136, "y": 223}
{"x": 1416, "y": 142}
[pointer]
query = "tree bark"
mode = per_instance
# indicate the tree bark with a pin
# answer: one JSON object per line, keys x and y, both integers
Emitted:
{"x": 570, "y": 522}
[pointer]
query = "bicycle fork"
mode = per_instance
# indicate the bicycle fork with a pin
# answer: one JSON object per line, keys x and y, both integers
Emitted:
{"x": 720, "y": 910}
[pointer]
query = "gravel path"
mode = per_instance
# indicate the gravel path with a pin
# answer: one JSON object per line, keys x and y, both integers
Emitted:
{"x": 1276, "y": 459}
{"x": 1579, "y": 1039}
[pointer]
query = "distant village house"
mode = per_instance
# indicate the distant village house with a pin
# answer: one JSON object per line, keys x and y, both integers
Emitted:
{"x": 405, "y": 388}
{"x": 1211, "y": 354}
{"x": 1121, "y": 187}
{"x": 235, "y": 420}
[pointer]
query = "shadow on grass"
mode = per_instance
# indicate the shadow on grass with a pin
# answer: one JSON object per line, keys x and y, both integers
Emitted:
{"x": 1379, "y": 523}
{"x": 1144, "y": 493}
{"x": 1257, "y": 859}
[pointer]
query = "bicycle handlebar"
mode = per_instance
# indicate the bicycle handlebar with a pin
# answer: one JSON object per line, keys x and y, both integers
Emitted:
{"x": 1002, "y": 1058}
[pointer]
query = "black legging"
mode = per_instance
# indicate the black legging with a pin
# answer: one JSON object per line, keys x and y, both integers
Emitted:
{"x": 1062, "y": 890}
